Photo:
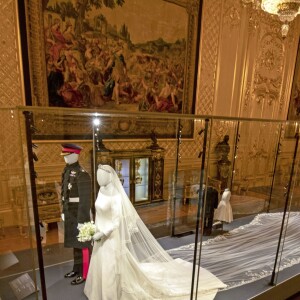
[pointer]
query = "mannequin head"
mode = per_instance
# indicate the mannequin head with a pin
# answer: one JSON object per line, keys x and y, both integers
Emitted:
{"x": 104, "y": 175}
{"x": 71, "y": 158}
{"x": 70, "y": 152}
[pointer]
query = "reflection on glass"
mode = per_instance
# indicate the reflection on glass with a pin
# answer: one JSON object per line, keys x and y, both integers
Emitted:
{"x": 138, "y": 177}
{"x": 141, "y": 179}
{"x": 122, "y": 167}
{"x": 118, "y": 165}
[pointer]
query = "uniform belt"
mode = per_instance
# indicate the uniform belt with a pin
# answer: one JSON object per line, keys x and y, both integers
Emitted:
{"x": 73, "y": 199}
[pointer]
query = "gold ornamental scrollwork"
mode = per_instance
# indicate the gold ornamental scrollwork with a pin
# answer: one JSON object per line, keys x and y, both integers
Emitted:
{"x": 247, "y": 97}
{"x": 232, "y": 14}
{"x": 258, "y": 150}
{"x": 281, "y": 102}
{"x": 266, "y": 89}
{"x": 268, "y": 69}
{"x": 222, "y": 128}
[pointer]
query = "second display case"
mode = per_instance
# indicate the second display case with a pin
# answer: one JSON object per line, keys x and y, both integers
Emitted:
{"x": 140, "y": 171}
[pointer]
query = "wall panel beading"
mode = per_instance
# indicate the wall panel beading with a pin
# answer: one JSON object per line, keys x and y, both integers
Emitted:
{"x": 208, "y": 60}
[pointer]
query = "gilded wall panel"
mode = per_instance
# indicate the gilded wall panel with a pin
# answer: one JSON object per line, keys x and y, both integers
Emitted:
{"x": 210, "y": 32}
{"x": 245, "y": 64}
{"x": 231, "y": 47}
{"x": 10, "y": 73}
{"x": 12, "y": 179}
{"x": 267, "y": 72}
{"x": 256, "y": 154}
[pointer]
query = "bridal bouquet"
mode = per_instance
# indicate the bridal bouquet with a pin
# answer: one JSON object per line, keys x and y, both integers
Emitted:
{"x": 86, "y": 231}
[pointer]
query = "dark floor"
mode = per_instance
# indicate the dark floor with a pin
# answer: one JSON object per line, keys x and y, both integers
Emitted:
{"x": 295, "y": 297}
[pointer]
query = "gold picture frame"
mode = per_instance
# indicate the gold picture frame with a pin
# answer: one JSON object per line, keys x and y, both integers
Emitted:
{"x": 148, "y": 50}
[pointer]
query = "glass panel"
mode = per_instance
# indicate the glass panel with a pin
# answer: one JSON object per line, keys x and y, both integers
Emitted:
{"x": 187, "y": 178}
{"x": 240, "y": 246}
{"x": 58, "y": 181}
{"x": 287, "y": 257}
{"x": 122, "y": 167}
{"x": 252, "y": 159}
{"x": 141, "y": 166}
{"x": 18, "y": 256}
{"x": 243, "y": 156}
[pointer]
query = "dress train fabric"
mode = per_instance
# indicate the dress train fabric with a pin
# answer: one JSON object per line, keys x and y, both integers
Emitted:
{"x": 129, "y": 264}
{"x": 247, "y": 253}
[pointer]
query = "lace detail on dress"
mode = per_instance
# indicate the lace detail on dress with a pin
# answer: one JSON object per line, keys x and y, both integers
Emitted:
{"x": 247, "y": 253}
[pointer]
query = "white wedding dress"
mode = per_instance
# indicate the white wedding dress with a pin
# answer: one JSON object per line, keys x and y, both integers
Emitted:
{"x": 224, "y": 209}
{"x": 128, "y": 263}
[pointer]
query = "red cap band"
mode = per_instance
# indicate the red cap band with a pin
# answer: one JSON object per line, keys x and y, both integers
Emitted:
{"x": 77, "y": 151}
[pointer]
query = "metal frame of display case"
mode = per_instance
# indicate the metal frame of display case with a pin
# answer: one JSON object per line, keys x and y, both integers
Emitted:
{"x": 111, "y": 155}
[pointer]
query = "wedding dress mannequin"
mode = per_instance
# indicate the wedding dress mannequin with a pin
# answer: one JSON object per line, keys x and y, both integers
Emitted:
{"x": 224, "y": 211}
{"x": 127, "y": 262}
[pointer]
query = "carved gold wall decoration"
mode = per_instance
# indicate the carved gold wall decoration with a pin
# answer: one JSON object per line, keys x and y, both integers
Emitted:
{"x": 253, "y": 22}
{"x": 247, "y": 97}
{"x": 270, "y": 57}
{"x": 257, "y": 149}
{"x": 222, "y": 128}
{"x": 232, "y": 14}
{"x": 266, "y": 89}
{"x": 281, "y": 102}
{"x": 268, "y": 69}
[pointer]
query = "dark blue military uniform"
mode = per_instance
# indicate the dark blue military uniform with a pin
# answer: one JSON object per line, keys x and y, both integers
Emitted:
{"x": 76, "y": 196}
{"x": 76, "y": 203}
{"x": 212, "y": 198}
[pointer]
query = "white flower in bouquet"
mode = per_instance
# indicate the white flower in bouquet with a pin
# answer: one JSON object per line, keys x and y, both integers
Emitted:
{"x": 86, "y": 231}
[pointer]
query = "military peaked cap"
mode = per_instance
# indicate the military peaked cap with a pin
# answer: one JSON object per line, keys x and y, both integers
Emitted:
{"x": 70, "y": 148}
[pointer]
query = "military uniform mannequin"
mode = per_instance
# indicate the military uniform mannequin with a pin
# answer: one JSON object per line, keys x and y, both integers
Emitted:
{"x": 212, "y": 198}
{"x": 76, "y": 202}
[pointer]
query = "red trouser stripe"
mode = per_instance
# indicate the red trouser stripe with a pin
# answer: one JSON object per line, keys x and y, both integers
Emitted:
{"x": 85, "y": 261}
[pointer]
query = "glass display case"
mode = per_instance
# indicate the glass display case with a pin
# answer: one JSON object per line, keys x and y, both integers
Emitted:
{"x": 140, "y": 171}
{"x": 134, "y": 174}
{"x": 167, "y": 176}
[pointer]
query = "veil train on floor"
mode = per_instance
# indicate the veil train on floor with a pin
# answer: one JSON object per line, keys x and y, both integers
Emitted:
{"x": 247, "y": 253}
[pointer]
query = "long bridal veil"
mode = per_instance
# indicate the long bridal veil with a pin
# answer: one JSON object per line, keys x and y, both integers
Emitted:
{"x": 145, "y": 267}
{"x": 247, "y": 253}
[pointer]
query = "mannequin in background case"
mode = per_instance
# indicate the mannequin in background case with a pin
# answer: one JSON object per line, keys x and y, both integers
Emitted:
{"x": 224, "y": 211}
{"x": 212, "y": 199}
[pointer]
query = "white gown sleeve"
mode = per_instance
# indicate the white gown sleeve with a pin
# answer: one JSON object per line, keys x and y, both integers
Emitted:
{"x": 116, "y": 209}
